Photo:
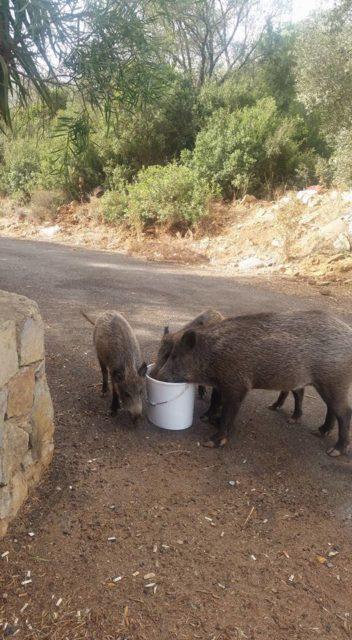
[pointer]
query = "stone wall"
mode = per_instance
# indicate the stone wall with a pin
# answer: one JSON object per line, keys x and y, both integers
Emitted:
{"x": 26, "y": 411}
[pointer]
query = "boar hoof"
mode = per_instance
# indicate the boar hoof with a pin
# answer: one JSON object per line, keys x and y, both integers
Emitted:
{"x": 294, "y": 420}
{"x": 334, "y": 453}
{"x": 216, "y": 442}
{"x": 210, "y": 444}
{"x": 317, "y": 433}
{"x": 273, "y": 407}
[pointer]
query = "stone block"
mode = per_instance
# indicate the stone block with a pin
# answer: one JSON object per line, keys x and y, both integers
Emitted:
{"x": 8, "y": 351}
{"x": 11, "y": 499}
{"x": 42, "y": 419}
{"x": 31, "y": 341}
{"x": 14, "y": 443}
{"x": 21, "y": 392}
{"x": 26, "y": 411}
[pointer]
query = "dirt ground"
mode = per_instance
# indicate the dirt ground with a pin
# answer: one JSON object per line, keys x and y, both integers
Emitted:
{"x": 254, "y": 541}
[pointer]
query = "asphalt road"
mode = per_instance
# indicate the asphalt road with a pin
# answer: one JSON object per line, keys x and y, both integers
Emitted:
{"x": 291, "y": 502}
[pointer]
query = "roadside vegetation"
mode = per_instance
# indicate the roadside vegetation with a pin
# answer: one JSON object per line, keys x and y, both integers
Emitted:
{"x": 171, "y": 106}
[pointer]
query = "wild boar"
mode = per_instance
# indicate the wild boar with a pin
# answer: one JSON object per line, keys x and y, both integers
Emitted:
{"x": 283, "y": 351}
{"x": 206, "y": 318}
{"x": 119, "y": 355}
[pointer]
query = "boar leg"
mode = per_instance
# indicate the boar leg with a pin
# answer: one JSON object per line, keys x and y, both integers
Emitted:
{"x": 215, "y": 404}
{"x": 344, "y": 420}
{"x": 327, "y": 426}
{"x": 115, "y": 404}
{"x": 337, "y": 403}
{"x": 104, "y": 373}
{"x": 279, "y": 402}
{"x": 202, "y": 392}
{"x": 298, "y": 395}
{"x": 231, "y": 405}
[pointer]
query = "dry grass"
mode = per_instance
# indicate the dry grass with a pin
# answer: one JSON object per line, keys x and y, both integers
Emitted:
{"x": 44, "y": 204}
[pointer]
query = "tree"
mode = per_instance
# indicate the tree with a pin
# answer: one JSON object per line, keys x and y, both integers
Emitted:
{"x": 116, "y": 58}
{"x": 324, "y": 67}
{"x": 208, "y": 38}
{"x": 34, "y": 36}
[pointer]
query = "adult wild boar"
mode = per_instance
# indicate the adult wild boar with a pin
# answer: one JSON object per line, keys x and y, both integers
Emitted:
{"x": 205, "y": 319}
{"x": 282, "y": 351}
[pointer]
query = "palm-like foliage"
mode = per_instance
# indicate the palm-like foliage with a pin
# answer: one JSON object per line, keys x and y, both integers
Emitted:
{"x": 34, "y": 36}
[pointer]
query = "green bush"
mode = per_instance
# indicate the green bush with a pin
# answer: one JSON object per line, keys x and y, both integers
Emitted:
{"x": 169, "y": 195}
{"x": 114, "y": 206}
{"x": 20, "y": 169}
{"x": 251, "y": 149}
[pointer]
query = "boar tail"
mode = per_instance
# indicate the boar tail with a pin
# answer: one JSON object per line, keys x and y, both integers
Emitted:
{"x": 87, "y": 317}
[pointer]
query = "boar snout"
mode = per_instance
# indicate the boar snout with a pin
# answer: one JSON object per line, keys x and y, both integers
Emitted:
{"x": 135, "y": 409}
{"x": 164, "y": 375}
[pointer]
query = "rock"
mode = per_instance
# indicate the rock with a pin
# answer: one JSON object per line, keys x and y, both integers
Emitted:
{"x": 26, "y": 412}
{"x": 42, "y": 420}
{"x": 8, "y": 351}
{"x": 347, "y": 196}
{"x": 342, "y": 243}
{"x": 29, "y": 325}
{"x": 13, "y": 448}
{"x": 12, "y": 497}
{"x": 32, "y": 341}
{"x": 49, "y": 232}
{"x": 3, "y": 403}
{"x": 278, "y": 242}
{"x": 250, "y": 263}
{"x": 317, "y": 188}
{"x": 20, "y": 392}
{"x": 306, "y": 196}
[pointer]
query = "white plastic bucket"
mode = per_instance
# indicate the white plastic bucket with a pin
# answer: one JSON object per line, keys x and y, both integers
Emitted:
{"x": 170, "y": 404}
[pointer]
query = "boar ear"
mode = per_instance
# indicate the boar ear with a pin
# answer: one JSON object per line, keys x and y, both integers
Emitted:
{"x": 188, "y": 340}
{"x": 166, "y": 330}
{"x": 119, "y": 374}
{"x": 143, "y": 370}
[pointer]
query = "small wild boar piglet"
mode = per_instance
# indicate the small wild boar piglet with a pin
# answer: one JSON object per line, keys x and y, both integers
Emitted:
{"x": 119, "y": 355}
{"x": 281, "y": 351}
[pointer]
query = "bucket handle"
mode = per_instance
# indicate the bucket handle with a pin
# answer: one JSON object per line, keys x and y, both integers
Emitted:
{"x": 157, "y": 404}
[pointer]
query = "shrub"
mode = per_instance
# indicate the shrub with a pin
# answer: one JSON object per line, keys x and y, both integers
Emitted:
{"x": 324, "y": 171}
{"x": 170, "y": 194}
{"x": 251, "y": 149}
{"x": 21, "y": 168}
{"x": 113, "y": 206}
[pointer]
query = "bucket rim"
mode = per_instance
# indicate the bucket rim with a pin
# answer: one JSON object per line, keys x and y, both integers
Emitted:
{"x": 161, "y": 382}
